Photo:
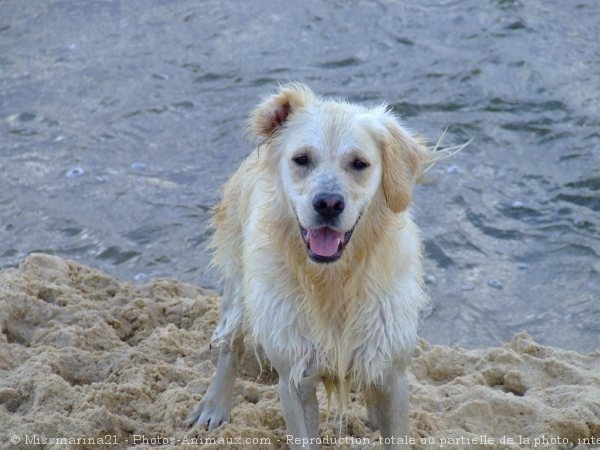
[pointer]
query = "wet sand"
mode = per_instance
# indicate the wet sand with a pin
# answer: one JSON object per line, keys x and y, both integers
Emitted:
{"x": 83, "y": 355}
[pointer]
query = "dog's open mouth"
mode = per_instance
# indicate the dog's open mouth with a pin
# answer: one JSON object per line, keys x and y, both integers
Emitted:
{"x": 325, "y": 245}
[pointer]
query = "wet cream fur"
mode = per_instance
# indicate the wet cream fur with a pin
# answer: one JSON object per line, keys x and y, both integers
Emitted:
{"x": 351, "y": 322}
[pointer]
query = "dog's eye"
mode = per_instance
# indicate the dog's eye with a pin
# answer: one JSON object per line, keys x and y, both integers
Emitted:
{"x": 301, "y": 160}
{"x": 359, "y": 164}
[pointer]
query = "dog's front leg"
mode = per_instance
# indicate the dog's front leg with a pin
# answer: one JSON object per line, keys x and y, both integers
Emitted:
{"x": 387, "y": 405}
{"x": 215, "y": 407}
{"x": 300, "y": 409}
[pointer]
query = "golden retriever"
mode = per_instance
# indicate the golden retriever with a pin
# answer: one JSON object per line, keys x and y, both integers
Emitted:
{"x": 321, "y": 261}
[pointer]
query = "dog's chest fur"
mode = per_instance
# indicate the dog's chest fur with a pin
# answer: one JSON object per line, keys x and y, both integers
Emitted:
{"x": 354, "y": 319}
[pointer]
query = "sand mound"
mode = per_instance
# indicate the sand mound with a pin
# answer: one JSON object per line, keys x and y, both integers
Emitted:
{"x": 83, "y": 356}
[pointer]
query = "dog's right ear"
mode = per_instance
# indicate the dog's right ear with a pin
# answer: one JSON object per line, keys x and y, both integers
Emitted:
{"x": 274, "y": 112}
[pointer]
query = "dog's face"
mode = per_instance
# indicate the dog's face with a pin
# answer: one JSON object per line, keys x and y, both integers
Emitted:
{"x": 330, "y": 168}
{"x": 332, "y": 159}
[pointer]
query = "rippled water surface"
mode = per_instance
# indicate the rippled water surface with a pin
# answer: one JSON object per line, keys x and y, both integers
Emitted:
{"x": 120, "y": 120}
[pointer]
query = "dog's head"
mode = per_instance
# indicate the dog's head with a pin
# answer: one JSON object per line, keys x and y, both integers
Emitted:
{"x": 333, "y": 159}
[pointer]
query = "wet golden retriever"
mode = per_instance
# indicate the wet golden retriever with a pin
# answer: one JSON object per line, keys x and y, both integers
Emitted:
{"x": 320, "y": 259}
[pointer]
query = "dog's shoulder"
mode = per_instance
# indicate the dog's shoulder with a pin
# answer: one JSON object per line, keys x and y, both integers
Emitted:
{"x": 240, "y": 196}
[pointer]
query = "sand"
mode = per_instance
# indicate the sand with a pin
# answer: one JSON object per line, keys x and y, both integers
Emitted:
{"x": 83, "y": 356}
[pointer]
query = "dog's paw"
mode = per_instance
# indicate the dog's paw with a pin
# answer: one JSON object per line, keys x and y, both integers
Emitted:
{"x": 209, "y": 415}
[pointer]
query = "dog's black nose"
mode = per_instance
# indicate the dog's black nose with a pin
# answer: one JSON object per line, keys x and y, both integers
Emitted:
{"x": 328, "y": 206}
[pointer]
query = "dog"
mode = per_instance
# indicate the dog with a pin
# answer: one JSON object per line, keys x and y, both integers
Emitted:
{"x": 321, "y": 261}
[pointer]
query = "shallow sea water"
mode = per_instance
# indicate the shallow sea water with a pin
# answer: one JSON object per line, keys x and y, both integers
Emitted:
{"x": 120, "y": 120}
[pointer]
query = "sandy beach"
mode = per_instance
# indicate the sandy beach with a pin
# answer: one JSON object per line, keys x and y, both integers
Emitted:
{"x": 84, "y": 356}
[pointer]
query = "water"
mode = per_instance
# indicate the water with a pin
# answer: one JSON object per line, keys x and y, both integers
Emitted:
{"x": 120, "y": 120}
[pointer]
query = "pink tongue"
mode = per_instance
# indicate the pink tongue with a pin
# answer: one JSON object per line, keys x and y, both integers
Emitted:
{"x": 324, "y": 241}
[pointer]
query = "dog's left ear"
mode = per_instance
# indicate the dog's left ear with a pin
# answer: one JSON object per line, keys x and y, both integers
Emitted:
{"x": 403, "y": 157}
{"x": 271, "y": 115}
